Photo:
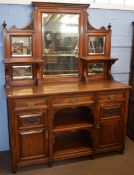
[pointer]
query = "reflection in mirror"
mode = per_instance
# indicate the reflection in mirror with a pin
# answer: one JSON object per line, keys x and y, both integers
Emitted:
{"x": 60, "y": 41}
{"x": 96, "y": 45}
{"x": 21, "y": 46}
{"x": 95, "y": 68}
{"x": 22, "y": 72}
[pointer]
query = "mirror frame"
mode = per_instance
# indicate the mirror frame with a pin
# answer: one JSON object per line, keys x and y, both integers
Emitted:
{"x": 21, "y": 33}
{"x": 98, "y": 32}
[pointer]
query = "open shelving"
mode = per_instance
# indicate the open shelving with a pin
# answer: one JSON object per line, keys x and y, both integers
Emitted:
{"x": 70, "y": 142}
{"x": 71, "y": 119}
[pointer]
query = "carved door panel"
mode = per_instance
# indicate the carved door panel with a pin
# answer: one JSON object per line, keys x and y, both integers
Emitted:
{"x": 32, "y": 135}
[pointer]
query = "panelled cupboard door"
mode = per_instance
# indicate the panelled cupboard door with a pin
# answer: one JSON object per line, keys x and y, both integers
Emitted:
{"x": 109, "y": 134}
{"x": 32, "y": 135}
{"x": 109, "y": 125}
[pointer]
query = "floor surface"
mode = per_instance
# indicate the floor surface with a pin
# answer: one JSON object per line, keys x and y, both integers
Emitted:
{"x": 109, "y": 164}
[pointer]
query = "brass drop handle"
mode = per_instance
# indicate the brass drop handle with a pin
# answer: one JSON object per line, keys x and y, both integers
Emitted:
{"x": 111, "y": 97}
{"x": 72, "y": 100}
{"x": 46, "y": 133}
{"x": 98, "y": 126}
{"x": 30, "y": 104}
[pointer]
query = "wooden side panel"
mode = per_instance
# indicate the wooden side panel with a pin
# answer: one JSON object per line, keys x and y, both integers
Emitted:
{"x": 130, "y": 129}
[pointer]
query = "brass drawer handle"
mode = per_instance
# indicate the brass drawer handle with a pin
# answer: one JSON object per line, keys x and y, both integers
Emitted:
{"x": 30, "y": 105}
{"x": 72, "y": 100}
{"x": 111, "y": 97}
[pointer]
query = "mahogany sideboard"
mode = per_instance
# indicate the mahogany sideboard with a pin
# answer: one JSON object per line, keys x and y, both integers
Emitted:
{"x": 63, "y": 101}
{"x": 49, "y": 123}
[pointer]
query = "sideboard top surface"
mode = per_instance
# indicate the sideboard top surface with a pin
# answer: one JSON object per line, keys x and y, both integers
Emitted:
{"x": 57, "y": 89}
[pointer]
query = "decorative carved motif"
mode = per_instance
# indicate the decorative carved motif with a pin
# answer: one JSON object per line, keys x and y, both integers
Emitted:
{"x": 28, "y": 121}
{"x": 30, "y": 26}
{"x": 90, "y": 27}
{"x": 111, "y": 111}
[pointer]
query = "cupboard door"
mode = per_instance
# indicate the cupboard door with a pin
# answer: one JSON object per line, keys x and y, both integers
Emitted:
{"x": 109, "y": 133}
{"x": 32, "y": 144}
{"x": 109, "y": 126}
{"x": 32, "y": 136}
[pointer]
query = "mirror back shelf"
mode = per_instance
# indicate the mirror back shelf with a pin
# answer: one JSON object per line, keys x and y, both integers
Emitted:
{"x": 50, "y": 48}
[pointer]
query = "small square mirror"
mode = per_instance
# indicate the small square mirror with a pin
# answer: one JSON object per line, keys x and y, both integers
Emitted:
{"x": 21, "y": 46}
{"x": 95, "y": 69}
{"x": 22, "y": 72}
{"x": 96, "y": 45}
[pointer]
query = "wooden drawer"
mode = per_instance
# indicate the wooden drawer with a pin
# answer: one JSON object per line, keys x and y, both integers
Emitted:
{"x": 111, "y": 96}
{"x": 74, "y": 99}
{"x": 30, "y": 103}
{"x": 107, "y": 111}
{"x": 31, "y": 120}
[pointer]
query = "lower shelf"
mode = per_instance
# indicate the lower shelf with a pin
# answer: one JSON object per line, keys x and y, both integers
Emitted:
{"x": 68, "y": 154}
{"x": 72, "y": 143}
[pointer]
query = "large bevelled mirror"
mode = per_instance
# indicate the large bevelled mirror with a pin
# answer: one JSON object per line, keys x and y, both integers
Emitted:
{"x": 60, "y": 42}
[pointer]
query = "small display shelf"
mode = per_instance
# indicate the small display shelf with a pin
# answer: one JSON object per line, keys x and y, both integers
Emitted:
{"x": 73, "y": 142}
{"x": 68, "y": 119}
{"x": 96, "y": 68}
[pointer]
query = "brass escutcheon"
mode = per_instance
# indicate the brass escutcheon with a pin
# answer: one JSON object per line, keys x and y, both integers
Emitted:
{"x": 72, "y": 100}
{"x": 30, "y": 104}
{"x": 111, "y": 97}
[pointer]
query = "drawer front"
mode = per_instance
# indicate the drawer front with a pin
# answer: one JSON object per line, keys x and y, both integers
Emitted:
{"x": 111, "y": 96}
{"x": 111, "y": 111}
{"x": 30, "y": 120}
{"x": 30, "y": 103}
{"x": 72, "y": 100}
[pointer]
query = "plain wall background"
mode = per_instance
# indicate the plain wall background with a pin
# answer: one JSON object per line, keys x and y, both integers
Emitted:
{"x": 121, "y": 21}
